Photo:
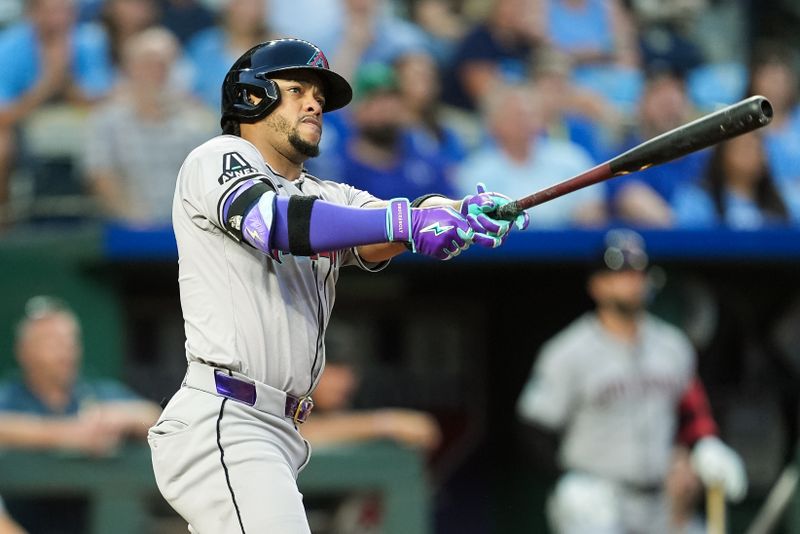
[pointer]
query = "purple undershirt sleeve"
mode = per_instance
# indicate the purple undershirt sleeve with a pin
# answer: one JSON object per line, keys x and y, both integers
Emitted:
{"x": 333, "y": 226}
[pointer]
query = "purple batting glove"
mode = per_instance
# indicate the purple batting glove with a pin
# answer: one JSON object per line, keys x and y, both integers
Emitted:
{"x": 478, "y": 210}
{"x": 440, "y": 232}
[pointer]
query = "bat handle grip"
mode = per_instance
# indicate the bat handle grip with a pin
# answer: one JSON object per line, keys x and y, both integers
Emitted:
{"x": 506, "y": 212}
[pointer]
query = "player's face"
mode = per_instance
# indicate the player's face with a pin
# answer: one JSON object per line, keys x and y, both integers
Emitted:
{"x": 295, "y": 125}
{"x": 623, "y": 291}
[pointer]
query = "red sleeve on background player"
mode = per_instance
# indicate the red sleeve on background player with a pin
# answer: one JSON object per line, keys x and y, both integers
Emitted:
{"x": 695, "y": 419}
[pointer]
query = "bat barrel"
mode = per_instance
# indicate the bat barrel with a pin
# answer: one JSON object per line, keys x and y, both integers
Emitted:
{"x": 739, "y": 118}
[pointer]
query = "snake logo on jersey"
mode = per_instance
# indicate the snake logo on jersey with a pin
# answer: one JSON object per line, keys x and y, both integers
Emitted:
{"x": 235, "y": 166}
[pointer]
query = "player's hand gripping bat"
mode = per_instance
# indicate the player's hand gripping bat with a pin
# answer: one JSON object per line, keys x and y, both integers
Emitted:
{"x": 744, "y": 116}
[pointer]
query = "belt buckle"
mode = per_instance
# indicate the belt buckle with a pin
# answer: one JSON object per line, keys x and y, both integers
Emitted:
{"x": 304, "y": 407}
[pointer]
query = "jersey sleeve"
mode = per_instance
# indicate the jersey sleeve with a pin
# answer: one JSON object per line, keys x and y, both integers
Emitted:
{"x": 547, "y": 397}
{"x": 212, "y": 173}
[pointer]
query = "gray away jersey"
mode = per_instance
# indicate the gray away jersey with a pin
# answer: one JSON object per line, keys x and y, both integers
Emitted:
{"x": 243, "y": 310}
{"x": 616, "y": 404}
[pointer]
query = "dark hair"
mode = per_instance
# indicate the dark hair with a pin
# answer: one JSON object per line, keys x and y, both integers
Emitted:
{"x": 115, "y": 43}
{"x": 231, "y": 127}
{"x": 769, "y": 52}
{"x": 768, "y": 199}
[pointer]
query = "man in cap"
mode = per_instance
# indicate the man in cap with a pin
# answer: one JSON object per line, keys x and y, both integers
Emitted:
{"x": 617, "y": 390}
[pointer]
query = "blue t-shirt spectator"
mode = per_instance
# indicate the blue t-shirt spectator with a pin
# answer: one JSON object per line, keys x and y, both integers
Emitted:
{"x": 19, "y": 56}
{"x": 551, "y": 161}
{"x": 693, "y": 207}
{"x": 580, "y": 29}
{"x": 16, "y": 397}
{"x": 411, "y": 175}
{"x": 210, "y": 59}
{"x": 783, "y": 151}
{"x": 186, "y": 19}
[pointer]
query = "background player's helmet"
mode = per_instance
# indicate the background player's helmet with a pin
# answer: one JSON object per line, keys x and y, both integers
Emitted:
{"x": 250, "y": 74}
{"x": 623, "y": 250}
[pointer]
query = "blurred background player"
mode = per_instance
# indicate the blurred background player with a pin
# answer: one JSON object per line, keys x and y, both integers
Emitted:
{"x": 617, "y": 388}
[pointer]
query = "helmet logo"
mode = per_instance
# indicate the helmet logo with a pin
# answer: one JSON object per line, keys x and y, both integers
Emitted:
{"x": 318, "y": 60}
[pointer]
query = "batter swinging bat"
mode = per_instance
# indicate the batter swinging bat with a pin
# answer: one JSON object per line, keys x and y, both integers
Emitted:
{"x": 744, "y": 116}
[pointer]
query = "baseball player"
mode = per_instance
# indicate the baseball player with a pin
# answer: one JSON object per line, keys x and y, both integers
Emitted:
{"x": 260, "y": 244}
{"x": 618, "y": 389}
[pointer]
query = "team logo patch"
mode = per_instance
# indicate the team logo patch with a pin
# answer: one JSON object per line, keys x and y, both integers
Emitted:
{"x": 318, "y": 60}
{"x": 235, "y": 166}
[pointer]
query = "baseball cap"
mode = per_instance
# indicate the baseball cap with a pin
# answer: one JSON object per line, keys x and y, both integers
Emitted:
{"x": 373, "y": 78}
{"x": 622, "y": 250}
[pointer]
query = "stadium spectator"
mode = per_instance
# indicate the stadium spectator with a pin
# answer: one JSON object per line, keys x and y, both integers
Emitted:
{"x": 212, "y": 51}
{"x": 601, "y": 40}
{"x": 336, "y": 422}
{"x": 121, "y": 20}
{"x": 419, "y": 88}
{"x": 352, "y": 32}
{"x": 442, "y": 23}
{"x": 138, "y": 140}
{"x": 375, "y": 152}
{"x": 666, "y": 37}
{"x": 185, "y": 18}
{"x": 499, "y": 49}
{"x": 570, "y": 112}
{"x": 519, "y": 160}
{"x": 644, "y": 198}
{"x": 323, "y": 22}
{"x": 47, "y": 59}
{"x": 50, "y": 406}
{"x": 737, "y": 190}
{"x": 773, "y": 74}
{"x": 372, "y": 34}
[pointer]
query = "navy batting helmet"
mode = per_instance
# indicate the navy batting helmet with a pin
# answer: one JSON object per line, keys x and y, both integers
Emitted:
{"x": 250, "y": 74}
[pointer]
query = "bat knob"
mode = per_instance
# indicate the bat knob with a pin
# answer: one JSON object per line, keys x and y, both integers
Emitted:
{"x": 506, "y": 212}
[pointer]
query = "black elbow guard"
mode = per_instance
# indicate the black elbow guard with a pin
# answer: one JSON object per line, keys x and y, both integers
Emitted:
{"x": 298, "y": 220}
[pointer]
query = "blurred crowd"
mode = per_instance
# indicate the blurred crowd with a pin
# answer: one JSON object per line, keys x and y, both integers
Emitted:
{"x": 101, "y": 100}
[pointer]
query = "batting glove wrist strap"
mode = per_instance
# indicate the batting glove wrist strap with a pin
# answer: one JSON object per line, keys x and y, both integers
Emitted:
{"x": 398, "y": 222}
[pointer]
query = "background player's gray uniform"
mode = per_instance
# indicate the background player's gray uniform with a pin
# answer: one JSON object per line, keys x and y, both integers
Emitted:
{"x": 262, "y": 320}
{"x": 616, "y": 405}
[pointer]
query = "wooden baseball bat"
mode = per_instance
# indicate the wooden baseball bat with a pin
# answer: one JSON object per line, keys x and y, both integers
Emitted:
{"x": 715, "y": 510}
{"x": 739, "y": 118}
